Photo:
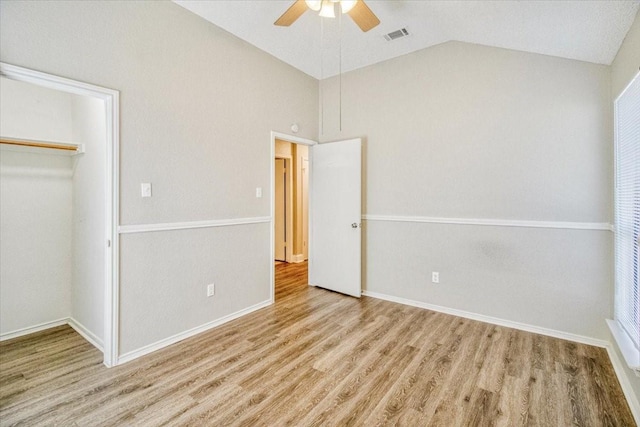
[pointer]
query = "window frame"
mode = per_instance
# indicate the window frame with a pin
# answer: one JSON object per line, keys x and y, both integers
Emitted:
{"x": 629, "y": 349}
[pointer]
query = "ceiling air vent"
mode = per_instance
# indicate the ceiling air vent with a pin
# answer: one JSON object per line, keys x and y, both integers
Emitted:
{"x": 396, "y": 34}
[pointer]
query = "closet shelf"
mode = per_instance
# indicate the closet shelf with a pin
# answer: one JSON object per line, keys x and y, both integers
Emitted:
{"x": 43, "y": 147}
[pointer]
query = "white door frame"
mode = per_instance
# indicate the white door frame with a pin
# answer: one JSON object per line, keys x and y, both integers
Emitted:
{"x": 111, "y": 99}
{"x": 294, "y": 140}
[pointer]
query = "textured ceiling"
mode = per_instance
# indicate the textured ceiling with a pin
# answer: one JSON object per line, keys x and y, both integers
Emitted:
{"x": 586, "y": 30}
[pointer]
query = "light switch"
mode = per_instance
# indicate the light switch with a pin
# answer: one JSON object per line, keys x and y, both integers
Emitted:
{"x": 145, "y": 189}
{"x": 258, "y": 192}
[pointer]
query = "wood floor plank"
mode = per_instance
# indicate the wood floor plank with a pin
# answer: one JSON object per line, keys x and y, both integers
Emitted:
{"x": 317, "y": 358}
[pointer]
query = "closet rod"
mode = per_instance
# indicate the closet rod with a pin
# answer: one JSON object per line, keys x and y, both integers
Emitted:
{"x": 40, "y": 144}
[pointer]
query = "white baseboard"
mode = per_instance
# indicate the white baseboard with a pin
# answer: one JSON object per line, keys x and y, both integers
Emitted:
{"x": 78, "y": 327}
{"x": 627, "y": 388}
{"x": 86, "y": 334}
{"x": 32, "y": 329}
{"x": 629, "y": 351}
{"x": 296, "y": 258}
{"x": 127, "y": 357}
{"x": 493, "y": 320}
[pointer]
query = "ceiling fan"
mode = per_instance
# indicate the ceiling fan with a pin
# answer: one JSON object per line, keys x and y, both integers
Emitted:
{"x": 357, "y": 10}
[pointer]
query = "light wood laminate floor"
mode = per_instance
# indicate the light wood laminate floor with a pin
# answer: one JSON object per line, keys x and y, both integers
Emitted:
{"x": 317, "y": 358}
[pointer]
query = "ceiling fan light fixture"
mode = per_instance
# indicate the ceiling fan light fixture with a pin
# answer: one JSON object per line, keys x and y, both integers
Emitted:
{"x": 314, "y": 4}
{"x": 347, "y": 5}
{"x": 327, "y": 10}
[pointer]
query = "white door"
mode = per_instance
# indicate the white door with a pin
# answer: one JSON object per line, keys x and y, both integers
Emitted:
{"x": 280, "y": 210}
{"x": 335, "y": 209}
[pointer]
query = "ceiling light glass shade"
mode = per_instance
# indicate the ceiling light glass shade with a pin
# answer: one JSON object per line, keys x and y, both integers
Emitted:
{"x": 327, "y": 10}
{"x": 314, "y": 4}
{"x": 347, "y": 5}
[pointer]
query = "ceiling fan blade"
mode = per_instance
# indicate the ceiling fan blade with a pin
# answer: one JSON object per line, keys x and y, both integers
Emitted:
{"x": 292, "y": 14}
{"x": 363, "y": 16}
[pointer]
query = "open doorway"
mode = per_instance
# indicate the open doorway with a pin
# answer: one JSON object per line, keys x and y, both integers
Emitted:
{"x": 60, "y": 161}
{"x": 334, "y": 240}
{"x": 290, "y": 203}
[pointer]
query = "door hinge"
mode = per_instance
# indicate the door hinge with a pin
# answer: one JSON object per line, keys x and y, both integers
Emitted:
{"x": 108, "y": 243}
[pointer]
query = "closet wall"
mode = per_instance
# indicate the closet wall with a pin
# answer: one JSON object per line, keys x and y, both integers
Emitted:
{"x": 88, "y": 225}
{"x": 51, "y": 213}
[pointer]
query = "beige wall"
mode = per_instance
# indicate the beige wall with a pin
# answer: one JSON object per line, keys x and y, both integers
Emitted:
{"x": 197, "y": 106}
{"x": 624, "y": 67}
{"x": 627, "y": 62}
{"x": 462, "y": 131}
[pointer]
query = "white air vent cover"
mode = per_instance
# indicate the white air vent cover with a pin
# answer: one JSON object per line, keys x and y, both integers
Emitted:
{"x": 396, "y": 34}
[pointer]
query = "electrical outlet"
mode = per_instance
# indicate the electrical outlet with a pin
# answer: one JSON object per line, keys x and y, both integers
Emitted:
{"x": 435, "y": 277}
{"x": 211, "y": 290}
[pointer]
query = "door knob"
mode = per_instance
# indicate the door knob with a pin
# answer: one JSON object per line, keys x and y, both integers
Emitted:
{"x": 354, "y": 225}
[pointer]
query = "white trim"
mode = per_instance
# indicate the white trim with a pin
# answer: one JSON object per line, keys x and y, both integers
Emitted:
{"x": 627, "y": 348}
{"x": 31, "y": 329}
{"x": 127, "y": 357}
{"x": 489, "y": 319}
{"x": 603, "y": 226}
{"x": 290, "y": 138}
{"x": 73, "y": 323}
{"x": 615, "y": 100}
{"x": 112, "y": 293}
{"x": 145, "y": 228}
{"x": 272, "y": 212}
{"x": 296, "y": 258}
{"x": 625, "y": 384}
{"x": 111, "y": 100}
{"x": 86, "y": 333}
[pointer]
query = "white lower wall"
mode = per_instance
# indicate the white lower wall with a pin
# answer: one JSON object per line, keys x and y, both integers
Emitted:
{"x": 164, "y": 276}
{"x": 551, "y": 278}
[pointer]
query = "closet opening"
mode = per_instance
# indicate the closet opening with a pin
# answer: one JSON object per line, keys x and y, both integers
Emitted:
{"x": 58, "y": 207}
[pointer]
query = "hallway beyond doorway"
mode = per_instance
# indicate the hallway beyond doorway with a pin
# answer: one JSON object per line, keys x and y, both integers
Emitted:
{"x": 290, "y": 278}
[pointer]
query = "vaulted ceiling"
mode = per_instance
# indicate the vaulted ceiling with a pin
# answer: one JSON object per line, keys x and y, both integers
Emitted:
{"x": 586, "y": 30}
